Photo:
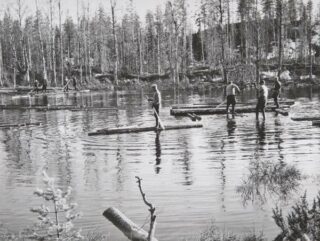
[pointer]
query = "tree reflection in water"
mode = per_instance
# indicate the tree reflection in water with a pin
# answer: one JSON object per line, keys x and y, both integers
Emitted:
{"x": 269, "y": 179}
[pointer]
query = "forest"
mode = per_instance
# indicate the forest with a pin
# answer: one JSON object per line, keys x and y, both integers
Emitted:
{"x": 168, "y": 43}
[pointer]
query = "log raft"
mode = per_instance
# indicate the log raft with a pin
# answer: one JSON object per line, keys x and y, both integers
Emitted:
{"x": 306, "y": 118}
{"x": 214, "y": 105}
{"x": 136, "y": 129}
{"x": 54, "y": 108}
{"x": 213, "y": 111}
{"x": 4, "y": 126}
{"x": 316, "y": 123}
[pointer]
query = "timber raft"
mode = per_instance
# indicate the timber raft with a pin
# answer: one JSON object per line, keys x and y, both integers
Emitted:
{"x": 214, "y": 105}
{"x": 136, "y": 129}
{"x": 220, "y": 110}
{"x": 55, "y": 108}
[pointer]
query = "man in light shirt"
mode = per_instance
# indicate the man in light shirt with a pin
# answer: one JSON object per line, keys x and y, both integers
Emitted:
{"x": 156, "y": 104}
{"x": 262, "y": 93}
{"x": 231, "y": 95}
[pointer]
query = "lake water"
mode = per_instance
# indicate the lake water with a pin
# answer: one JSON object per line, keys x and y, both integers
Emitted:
{"x": 223, "y": 173}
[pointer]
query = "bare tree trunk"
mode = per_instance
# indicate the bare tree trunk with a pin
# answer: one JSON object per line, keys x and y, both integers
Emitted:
{"x": 228, "y": 27}
{"x": 158, "y": 54}
{"x": 202, "y": 42}
{"x": 79, "y": 61}
{"x": 221, "y": 33}
{"x": 279, "y": 25}
{"x": 88, "y": 43}
{"x": 45, "y": 76}
{"x": 310, "y": 44}
{"x": 115, "y": 44}
{"x": 61, "y": 45}
{"x": 140, "y": 53}
{"x": 53, "y": 54}
{"x": 1, "y": 66}
{"x": 257, "y": 30}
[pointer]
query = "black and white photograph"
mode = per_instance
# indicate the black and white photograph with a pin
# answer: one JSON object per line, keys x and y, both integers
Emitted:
{"x": 159, "y": 120}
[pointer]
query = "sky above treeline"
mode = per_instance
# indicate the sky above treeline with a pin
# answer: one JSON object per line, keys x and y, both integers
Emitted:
{"x": 69, "y": 7}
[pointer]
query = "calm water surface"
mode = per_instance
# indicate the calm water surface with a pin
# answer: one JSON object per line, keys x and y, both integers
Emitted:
{"x": 223, "y": 172}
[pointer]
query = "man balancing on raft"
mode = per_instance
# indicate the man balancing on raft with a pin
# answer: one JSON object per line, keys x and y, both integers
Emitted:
{"x": 262, "y": 94}
{"x": 231, "y": 95}
{"x": 276, "y": 91}
{"x": 156, "y": 104}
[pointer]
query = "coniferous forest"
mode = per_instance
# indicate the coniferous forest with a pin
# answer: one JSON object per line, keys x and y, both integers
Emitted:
{"x": 222, "y": 37}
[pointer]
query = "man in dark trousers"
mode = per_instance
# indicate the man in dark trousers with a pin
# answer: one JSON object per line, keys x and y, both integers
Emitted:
{"x": 276, "y": 91}
{"x": 36, "y": 86}
{"x": 44, "y": 85}
{"x": 231, "y": 95}
{"x": 262, "y": 94}
{"x": 156, "y": 105}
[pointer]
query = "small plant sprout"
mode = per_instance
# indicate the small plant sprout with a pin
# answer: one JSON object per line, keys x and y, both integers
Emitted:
{"x": 56, "y": 219}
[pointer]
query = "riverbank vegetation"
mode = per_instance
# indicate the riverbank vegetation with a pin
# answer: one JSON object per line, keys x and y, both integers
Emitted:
{"x": 57, "y": 214}
{"x": 264, "y": 37}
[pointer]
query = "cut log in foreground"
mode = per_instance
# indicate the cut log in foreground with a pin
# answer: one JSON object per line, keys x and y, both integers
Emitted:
{"x": 135, "y": 129}
{"x": 316, "y": 123}
{"x": 20, "y": 125}
{"x": 125, "y": 225}
{"x": 306, "y": 118}
{"x": 214, "y": 111}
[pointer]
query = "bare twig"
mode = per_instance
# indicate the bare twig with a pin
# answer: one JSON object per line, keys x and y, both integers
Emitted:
{"x": 152, "y": 210}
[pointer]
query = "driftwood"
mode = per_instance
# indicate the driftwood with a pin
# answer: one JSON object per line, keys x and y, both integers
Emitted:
{"x": 214, "y": 111}
{"x": 152, "y": 211}
{"x": 136, "y": 129}
{"x": 306, "y": 118}
{"x": 125, "y": 225}
{"x": 2, "y": 126}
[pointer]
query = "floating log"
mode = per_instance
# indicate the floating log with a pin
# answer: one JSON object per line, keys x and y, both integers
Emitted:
{"x": 20, "y": 125}
{"x": 54, "y": 107}
{"x": 306, "y": 118}
{"x": 93, "y": 108}
{"x": 213, "y": 105}
{"x": 282, "y": 112}
{"x": 135, "y": 129}
{"x": 126, "y": 226}
{"x": 213, "y": 111}
{"x": 316, "y": 123}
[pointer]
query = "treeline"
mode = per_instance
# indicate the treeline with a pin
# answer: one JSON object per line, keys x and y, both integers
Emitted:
{"x": 167, "y": 42}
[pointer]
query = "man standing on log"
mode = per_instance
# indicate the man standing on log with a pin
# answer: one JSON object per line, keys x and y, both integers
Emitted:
{"x": 156, "y": 104}
{"x": 262, "y": 94}
{"x": 231, "y": 95}
{"x": 276, "y": 91}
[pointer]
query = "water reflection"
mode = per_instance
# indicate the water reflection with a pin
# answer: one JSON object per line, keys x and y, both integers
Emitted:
{"x": 158, "y": 153}
{"x": 261, "y": 132}
{"x": 223, "y": 176}
{"x": 267, "y": 178}
{"x": 231, "y": 125}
